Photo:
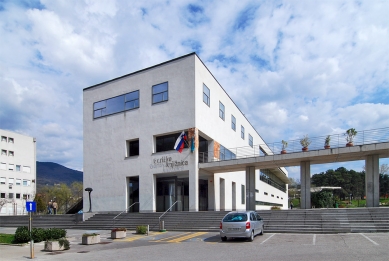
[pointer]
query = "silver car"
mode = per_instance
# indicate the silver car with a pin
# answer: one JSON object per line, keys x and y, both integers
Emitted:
{"x": 241, "y": 224}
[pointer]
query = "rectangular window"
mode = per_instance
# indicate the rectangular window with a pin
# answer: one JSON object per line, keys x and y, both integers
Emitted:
{"x": 132, "y": 148}
{"x": 24, "y": 182}
{"x": 10, "y": 153}
{"x": 226, "y": 154}
{"x": 242, "y": 132}
{"x": 2, "y": 195}
{"x": 11, "y": 195}
{"x": 18, "y": 195}
{"x": 243, "y": 194}
{"x": 233, "y": 122}
{"x": 167, "y": 142}
{"x": 18, "y": 182}
{"x": 3, "y": 166}
{"x": 265, "y": 193}
{"x": 221, "y": 110}
{"x": 4, "y": 152}
{"x": 10, "y": 140}
{"x": 26, "y": 169}
{"x": 17, "y": 167}
{"x": 116, "y": 104}
{"x": 160, "y": 92}
{"x": 10, "y": 181}
{"x": 24, "y": 196}
{"x": 4, "y": 138}
{"x": 11, "y": 167}
{"x": 206, "y": 95}
{"x": 2, "y": 180}
{"x": 251, "y": 142}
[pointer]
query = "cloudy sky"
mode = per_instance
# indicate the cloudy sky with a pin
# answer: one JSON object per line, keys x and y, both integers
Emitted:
{"x": 293, "y": 67}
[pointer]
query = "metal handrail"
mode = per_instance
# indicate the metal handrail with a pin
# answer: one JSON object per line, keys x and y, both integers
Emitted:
{"x": 168, "y": 210}
{"x": 123, "y": 212}
{"x": 337, "y": 141}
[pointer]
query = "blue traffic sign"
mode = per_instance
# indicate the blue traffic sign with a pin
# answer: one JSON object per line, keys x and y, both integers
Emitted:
{"x": 31, "y": 206}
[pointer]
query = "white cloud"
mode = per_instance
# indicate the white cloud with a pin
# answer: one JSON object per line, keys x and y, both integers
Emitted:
{"x": 292, "y": 67}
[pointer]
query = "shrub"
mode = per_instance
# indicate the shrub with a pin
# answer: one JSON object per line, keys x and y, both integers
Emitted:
{"x": 38, "y": 234}
{"x": 90, "y": 234}
{"x": 64, "y": 242}
{"x": 275, "y": 208}
{"x": 119, "y": 229}
{"x": 22, "y": 235}
{"x": 55, "y": 233}
{"x": 141, "y": 229}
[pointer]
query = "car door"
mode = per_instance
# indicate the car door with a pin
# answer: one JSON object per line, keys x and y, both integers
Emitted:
{"x": 259, "y": 221}
{"x": 254, "y": 222}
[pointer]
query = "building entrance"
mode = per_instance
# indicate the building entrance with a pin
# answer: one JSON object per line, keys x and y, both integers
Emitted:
{"x": 133, "y": 193}
{"x": 172, "y": 189}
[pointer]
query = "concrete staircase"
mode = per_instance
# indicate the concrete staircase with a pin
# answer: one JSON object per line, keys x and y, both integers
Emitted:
{"x": 318, "y": 221}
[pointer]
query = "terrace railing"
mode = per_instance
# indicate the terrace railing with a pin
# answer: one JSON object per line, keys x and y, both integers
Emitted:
{"x": 317, "y": 143}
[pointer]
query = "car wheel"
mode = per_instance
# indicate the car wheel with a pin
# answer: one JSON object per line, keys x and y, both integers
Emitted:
{"x": 224, "y": 238}
{"x": 261, "y": 231}
{"x": 251, "y": 238}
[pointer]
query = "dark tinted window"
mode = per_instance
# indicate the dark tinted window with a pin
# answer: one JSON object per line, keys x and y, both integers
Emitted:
{"x": 116, "y": 104}
{"x": 235, "y": 217}
{"x": 134, "y": 148}
{"x": 165, "y": 143}
{"x": 160, "y": 92}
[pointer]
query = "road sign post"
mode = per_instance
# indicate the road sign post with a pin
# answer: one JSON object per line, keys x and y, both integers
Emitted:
{"x": 31, "y": 207}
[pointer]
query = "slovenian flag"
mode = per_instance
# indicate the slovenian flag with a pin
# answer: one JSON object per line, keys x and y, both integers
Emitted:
{"x": 180, "y": 142}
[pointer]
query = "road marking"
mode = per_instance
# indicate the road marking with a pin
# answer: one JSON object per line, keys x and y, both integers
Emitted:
{"x": 267, "y": 239}
{"x": 369, "y": 239}
{"x": 175, "y": 236}
{"x": 180, "y": 239}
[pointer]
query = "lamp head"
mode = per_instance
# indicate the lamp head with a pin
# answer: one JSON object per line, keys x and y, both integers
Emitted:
{"x": 88, "y": 189}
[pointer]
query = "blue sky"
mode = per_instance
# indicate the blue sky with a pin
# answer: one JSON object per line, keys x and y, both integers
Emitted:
{"x": 292, "y": 67}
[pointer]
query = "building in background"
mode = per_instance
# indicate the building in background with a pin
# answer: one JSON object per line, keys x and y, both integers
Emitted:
{"x": 17, "y": 172}
{"x": 132, "y": 123}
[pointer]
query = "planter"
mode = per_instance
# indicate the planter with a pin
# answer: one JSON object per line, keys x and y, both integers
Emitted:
{"x": 349, "y": 144}
{"x": 53, "y": 246}
{"x": 90, "y": 240}
{"x": 118, "y": 234}
{"x": 305, "y": 149}
{"x": 283, "y": 152}
{"x": 327, "y": 146}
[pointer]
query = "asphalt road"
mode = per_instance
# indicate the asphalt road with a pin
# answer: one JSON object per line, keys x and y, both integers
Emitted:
{"x": 208, "y": 246}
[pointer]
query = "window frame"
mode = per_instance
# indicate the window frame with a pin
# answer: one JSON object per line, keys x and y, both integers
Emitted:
{"x": 233, "y": 122}
{"x": 222, "y": 111}
{"x": 242, "y": 132}
{"x": 132, "y": 152}
{"x": 158, "y": 93}
{"x": 251, "y": 141}
{"x": 102, "y": 109}
{"x": 208, "y": 97}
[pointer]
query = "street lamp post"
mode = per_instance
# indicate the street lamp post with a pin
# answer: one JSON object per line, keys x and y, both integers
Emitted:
{"x": 90, "y": 202}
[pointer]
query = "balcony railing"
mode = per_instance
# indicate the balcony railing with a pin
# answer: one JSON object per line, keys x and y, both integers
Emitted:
{"x": 317, "y": 143}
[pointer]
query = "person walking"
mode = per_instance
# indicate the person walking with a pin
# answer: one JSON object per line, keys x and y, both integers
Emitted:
{"x": 55, "y": 207}
{"x": 291, "y": 205}
{"x": 50, "y": 207}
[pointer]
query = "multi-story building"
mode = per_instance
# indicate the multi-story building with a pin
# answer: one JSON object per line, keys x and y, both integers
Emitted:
{"x": 17, "y": 172}
{"x": 131, "y": 124}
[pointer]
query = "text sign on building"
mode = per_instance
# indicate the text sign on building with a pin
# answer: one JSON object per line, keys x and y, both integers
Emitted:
{"x": 31, "y": 206}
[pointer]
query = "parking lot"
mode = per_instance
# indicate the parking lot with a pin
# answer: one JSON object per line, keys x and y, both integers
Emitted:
{"x": 208, "y": 246}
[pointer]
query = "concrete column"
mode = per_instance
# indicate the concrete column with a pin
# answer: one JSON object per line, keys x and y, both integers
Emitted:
{"x": 211, "y": 193}
{"x": 372, "y": 181}
{"x": 194, "y": 189}
{"x": 222, "y": 195}
{"x": 250, "y": 188}
{"x": 305, "y": 178}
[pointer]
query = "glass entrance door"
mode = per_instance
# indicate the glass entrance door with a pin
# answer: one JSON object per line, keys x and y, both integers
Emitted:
{"x": 133, "y": 193}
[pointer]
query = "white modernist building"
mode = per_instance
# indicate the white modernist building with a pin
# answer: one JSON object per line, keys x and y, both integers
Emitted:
{"x": 17, "y": 172}
{"x": 131, "y": 124}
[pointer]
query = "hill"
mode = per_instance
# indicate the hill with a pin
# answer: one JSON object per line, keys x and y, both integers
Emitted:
{"x": 50, "y": 173}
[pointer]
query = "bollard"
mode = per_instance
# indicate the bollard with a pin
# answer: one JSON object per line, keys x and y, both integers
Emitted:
{"x": 162, "y": 226}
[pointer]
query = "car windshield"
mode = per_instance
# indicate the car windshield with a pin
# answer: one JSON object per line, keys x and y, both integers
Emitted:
{"x": 235, "y": 217}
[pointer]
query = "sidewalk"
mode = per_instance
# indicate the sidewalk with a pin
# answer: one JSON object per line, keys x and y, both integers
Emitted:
{"x": 22, "y": 252}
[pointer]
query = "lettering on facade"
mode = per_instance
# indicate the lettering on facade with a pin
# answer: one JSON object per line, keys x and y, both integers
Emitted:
{"x": 168, "y": 164}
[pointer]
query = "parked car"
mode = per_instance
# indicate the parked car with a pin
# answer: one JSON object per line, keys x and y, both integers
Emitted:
{"x": 241, "y": 224}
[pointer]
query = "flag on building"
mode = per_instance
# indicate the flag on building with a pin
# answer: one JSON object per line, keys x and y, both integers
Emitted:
{"x": 180, "y": 142}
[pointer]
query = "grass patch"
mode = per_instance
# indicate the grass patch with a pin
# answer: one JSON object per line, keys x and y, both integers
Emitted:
{"x": 6, "y": 238}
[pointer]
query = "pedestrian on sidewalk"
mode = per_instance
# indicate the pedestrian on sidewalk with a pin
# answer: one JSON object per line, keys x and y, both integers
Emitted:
{"x": 291, "y": 205}
{"x": 55, "y": 207}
